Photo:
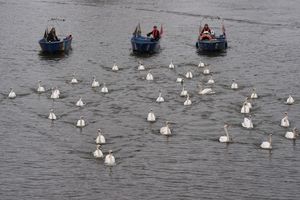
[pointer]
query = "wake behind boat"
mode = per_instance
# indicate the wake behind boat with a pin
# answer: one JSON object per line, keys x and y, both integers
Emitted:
{"x": 143, "y": 44}
{"x": 50, "y": 43}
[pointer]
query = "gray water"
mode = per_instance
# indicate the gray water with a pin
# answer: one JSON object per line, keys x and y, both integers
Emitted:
{"x": 44, "y": 160}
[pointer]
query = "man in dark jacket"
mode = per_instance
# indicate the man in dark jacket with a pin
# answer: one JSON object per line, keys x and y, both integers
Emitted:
{"x": 52, "y": 36}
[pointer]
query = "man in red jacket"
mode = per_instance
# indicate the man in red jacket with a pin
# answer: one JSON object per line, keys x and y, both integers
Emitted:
{"x": 205, "y": 28}
{"x": 155, "y": 33}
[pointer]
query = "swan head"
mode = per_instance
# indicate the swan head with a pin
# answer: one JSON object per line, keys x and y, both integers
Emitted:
{"x": 51, "y": 110}
{"x": 99, "y": 131}
{"x": 226, "y": 125}
{"x": 39, "y": 81}
{"x": 286, "y": 114}
{"x": 98, "y": 146}
{"x": 81, "y": 117}
{"x": 104, "y": 84}
{"x": 110, "y": 152}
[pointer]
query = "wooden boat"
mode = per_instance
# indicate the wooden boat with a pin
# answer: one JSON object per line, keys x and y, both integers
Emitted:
{"x": 50, "y": 43}
{"x": 208, "y": 42}
{"x": 142, "y": 44}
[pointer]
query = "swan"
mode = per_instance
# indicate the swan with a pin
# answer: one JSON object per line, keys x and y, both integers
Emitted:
{"x": 179, "y": 80}
{"x": 210, "y": 80}
{"x": 40, "y": 89}
{"x": 226, "y": 138}
{"x": 201, "y": 64}
{"x": 290, "y": 100}
{"x": 56, "y": 91}
{"x": 160, "y": 98}
{"x": 110, "y": 159}
{"x": 205, "y": 90}
{"x": 149, "y": 76}
{"x": 80, "y": 122}
{"x": 100, "y": 138}
{"x": 12, "y": 94}
{"x": 141, "y": 67}
{"x": 187, "y": 101}
{"x": 247, "y": 122}
{"x": 52, "y": 116}
{"x": 104, "y": 88}
{"x": 115, "y": 67}
{"x": 285, "y": 120}
{"x": 184, "y": 92}
{"x": 171, "y": 65}
{"x": 189, "y": 75}
{"x": 206, "y": 71}
{"x": 165, "y": 130}
{"x": 151, "y": 116}
{"x": 79, "y": 103}
{"x": 55, "y": 94}
{"x": 74, "y": 80}
{"x": 95, "y": 83}
{"x": 234, "y": 85}
{"x": 98, "y": 153}
{"x": 267, "y": 144}
{"x": 245, "y": 109}
{"x": 291, "y": 135}
{"x": 254, "y": 94}
{"x": 248, "y": 103}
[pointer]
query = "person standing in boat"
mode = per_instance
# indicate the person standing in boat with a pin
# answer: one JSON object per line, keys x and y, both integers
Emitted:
{"x": 155, "y": 33}
{"x": 52, "y": 36}
{"x": 205, "y": 30}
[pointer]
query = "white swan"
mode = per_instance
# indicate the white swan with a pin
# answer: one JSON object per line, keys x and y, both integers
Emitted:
{"x": 110, "y": 159}
{"x": 206, "y": 71}
{"x": 104, "y": 89}
{"x": 291, "y": 134}
{"x": 56, "y": 91}
{"x": 95, "y": 83}
{"x": 247, "y": 122}
{"x": 40, "y": 89}
{"x": 80, "y": 122}
{"x": 98, "y": 153}
{"x": 141, "y": 67}
{"x": 267, "y": 144}
{"x": 226, "y": 138}
{"x": 115, "y": 67}
{"x": 189, "y": 75}
{"x": 245, "y": 109}
{"x": 80, "y": 103}
{"x": 165, "y": 130}
{"x": 187, "y": 101}
{"x": 100, "y": 138}
{"x": 184, "y": 92}
{"x": 290, "y": 100}
{"x": 247, "y": 102}
{"x": 285, "y": 120}
{"x": 234, "y": 85}
{"x": 160, "y": 99}
{"x": 205, "y": 90}
{"x": 201, "y": 64}
{"x": 171, "y": 65}
{"x": 179, "y": 80}
{"x": 12, "y": 94}
{"x": 52, "y": 116}
{"x": 210, "y": 80}
{"x": 149, "y": 76}
{"x": 254, "y": 94}
{"x": 74, "y": 80}
{"x": 54, "y": 94}
{"x": 151, "y": 116}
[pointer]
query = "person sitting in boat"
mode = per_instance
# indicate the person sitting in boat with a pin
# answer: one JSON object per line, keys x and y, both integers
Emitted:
{"x": 205, "y": 30}
{"x": 52, "y": 36}
{"x": 155, "y": 33}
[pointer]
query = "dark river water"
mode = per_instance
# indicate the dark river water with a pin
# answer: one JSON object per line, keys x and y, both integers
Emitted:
{"x": 44, "y": 160}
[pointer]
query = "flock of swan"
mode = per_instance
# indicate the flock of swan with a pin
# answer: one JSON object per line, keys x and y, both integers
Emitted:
{"x": 166, "y": 130}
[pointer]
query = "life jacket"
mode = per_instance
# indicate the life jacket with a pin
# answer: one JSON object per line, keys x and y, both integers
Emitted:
{"x": 205, "y": 37}
{"x": 155, "y": 33}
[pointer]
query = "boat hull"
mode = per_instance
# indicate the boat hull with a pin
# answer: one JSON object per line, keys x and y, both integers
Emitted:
{"x": 57, "y": 46}
{"x": 142, "y": 44}
{"x": 218, "y": 44}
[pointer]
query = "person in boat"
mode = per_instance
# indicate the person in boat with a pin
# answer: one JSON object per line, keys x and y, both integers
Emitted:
{"x": 205, "y": 30}
{"x": 155, "y": 33}
{"x": 51, "y": 37}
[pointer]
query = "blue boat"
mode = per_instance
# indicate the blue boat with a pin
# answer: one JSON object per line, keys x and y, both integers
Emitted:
{"x": 63, "y": 45}
{"x": 208, "y": 42}
{"x": 142, "y": 44}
